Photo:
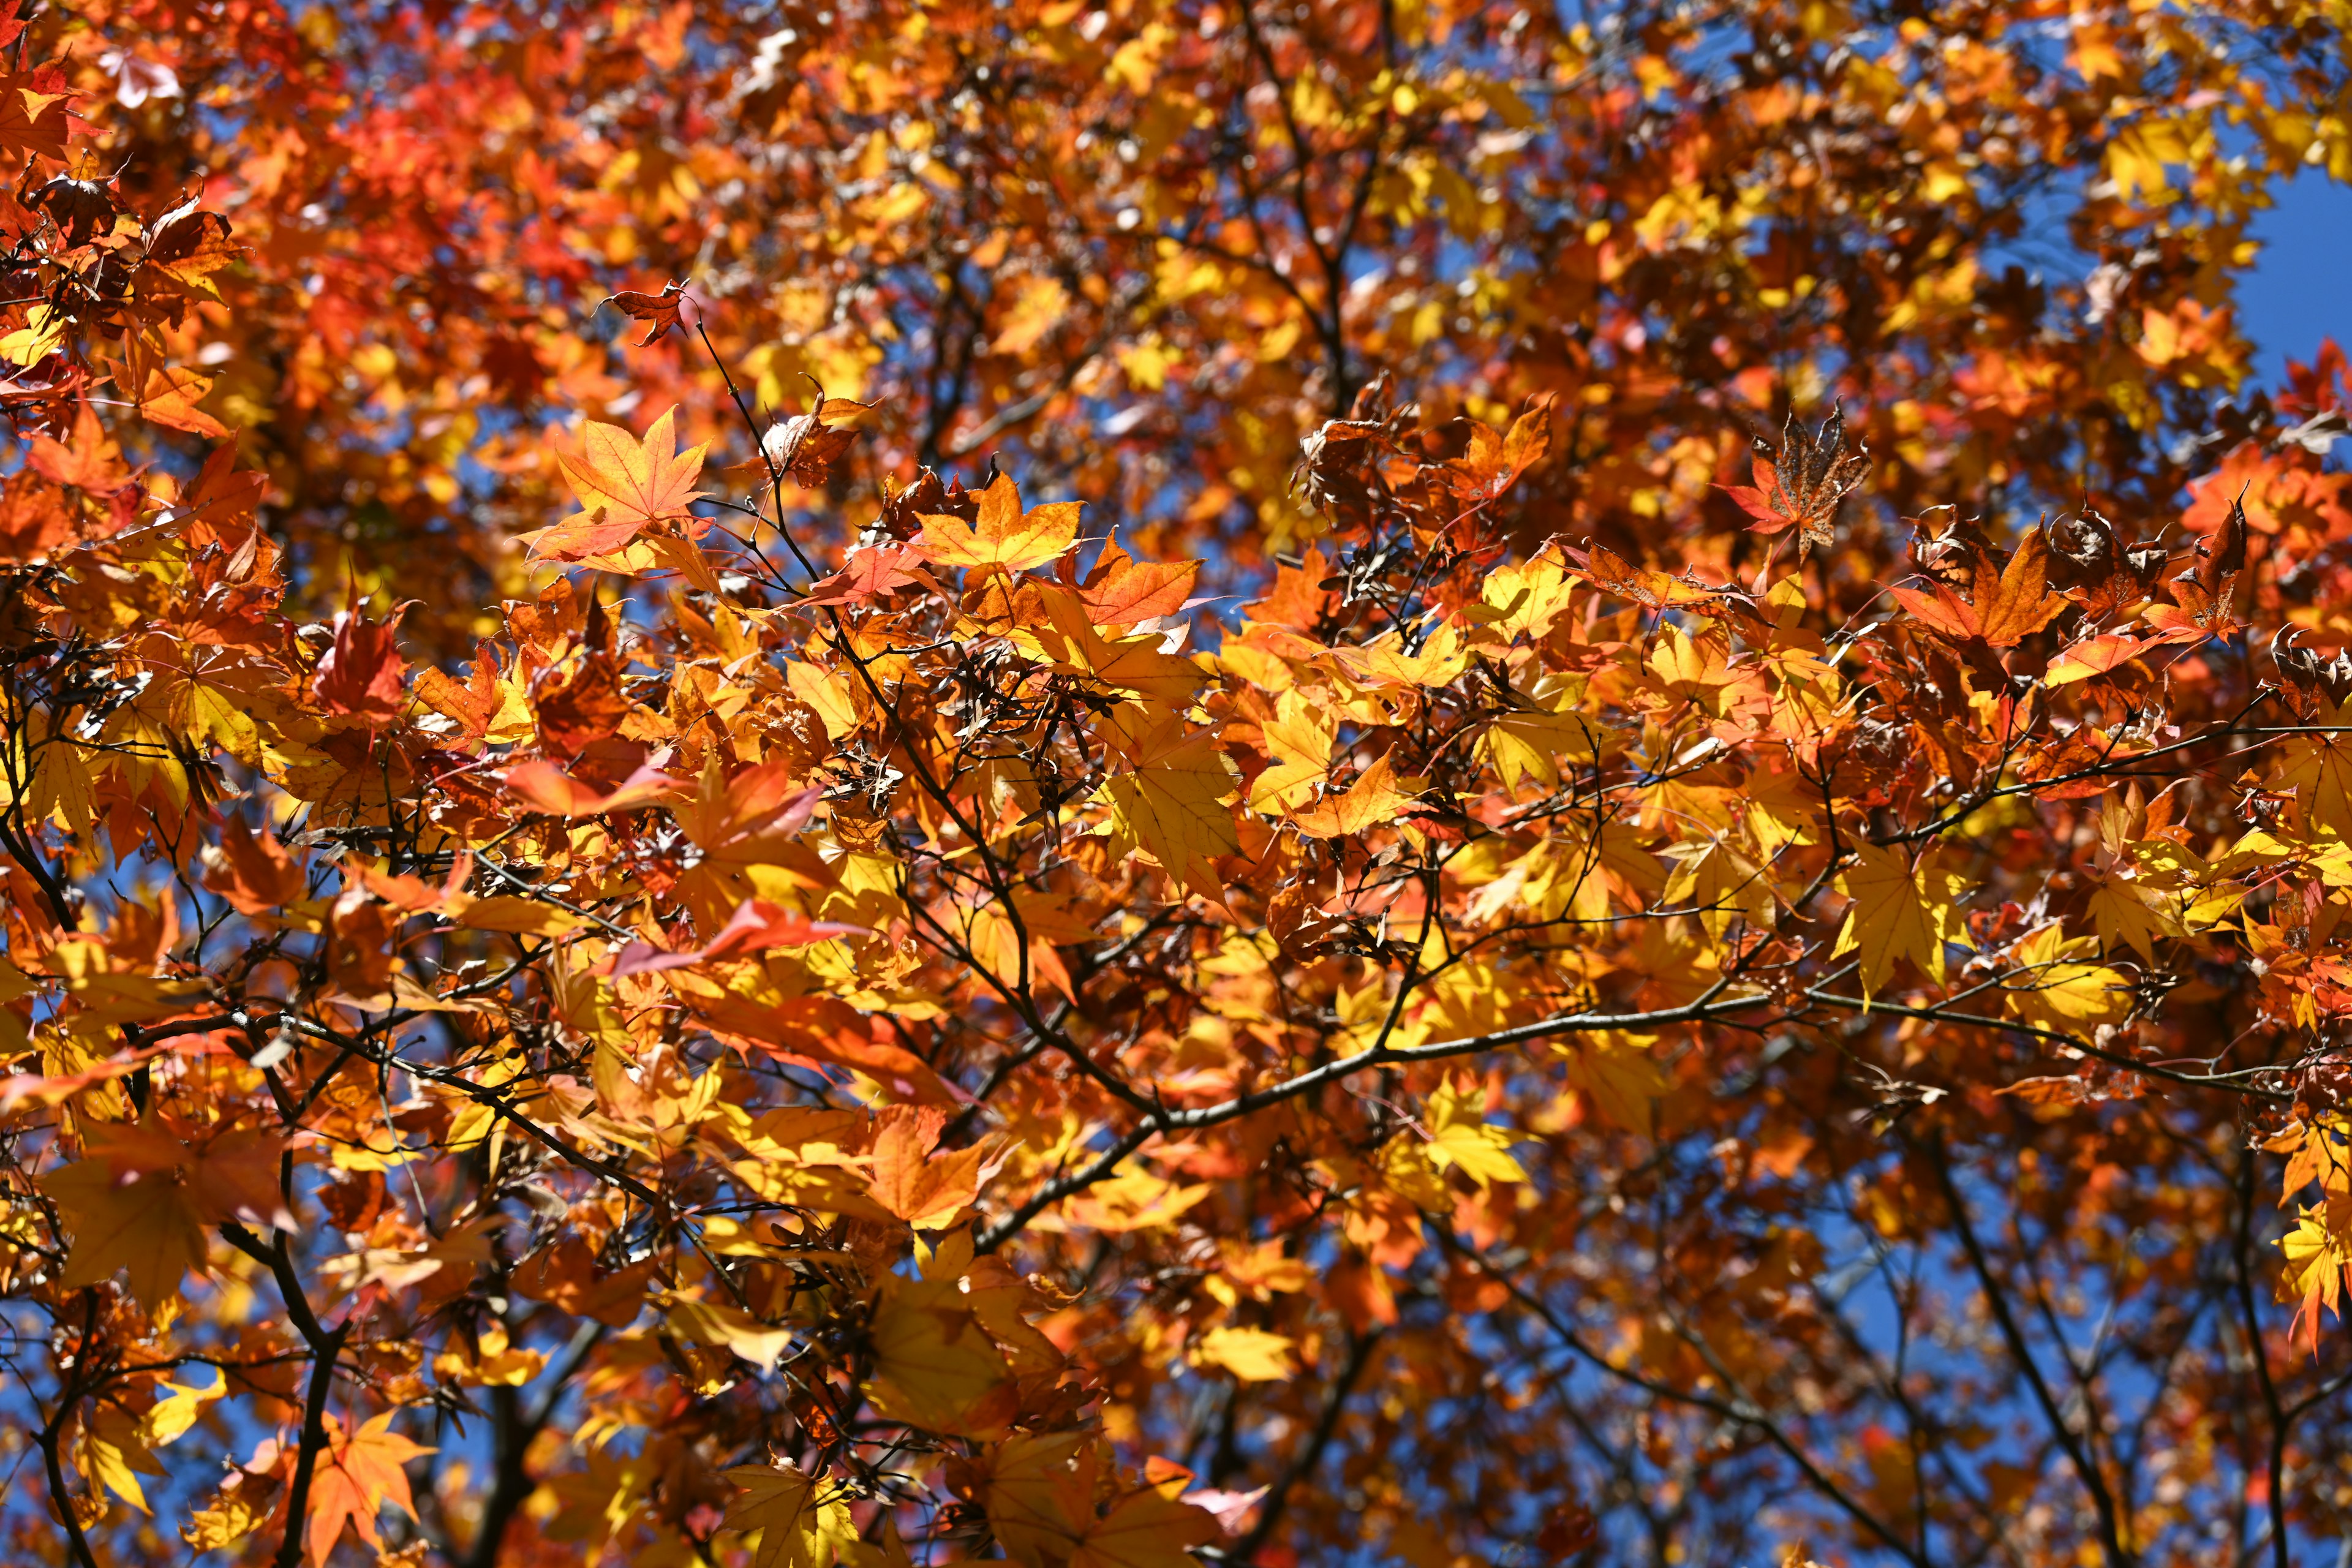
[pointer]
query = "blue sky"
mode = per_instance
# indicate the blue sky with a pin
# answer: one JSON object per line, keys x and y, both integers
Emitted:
{"x": 2301, "y": 290}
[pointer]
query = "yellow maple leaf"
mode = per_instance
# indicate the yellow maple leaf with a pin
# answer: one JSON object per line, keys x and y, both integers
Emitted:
{"x": 2055, "y": 990}
{"x": 2127, "y": 912}
{"x": 1299, "y": 739}
{"x": 799, "y": 1524}
{"x": 1372, "y": 799}
{"x": 113, "y": 1453}
{"x": 1460, "y": 1135}
{"x": 2318, "y": 1255}
{"x": 1898, "y": 911}
{"x": 718, "y": 1323}
{"x": 1526, "y": 598}
{"x": 624, "y": 486}
{"x": 934, "y": 1365}
{"x": 1004, "y": 537}
{"x": 1722, "y": 883}
{"x": 1384, "y": 661}
{"x": 1174, "y": 806}
{"x": 1252, "y": 1355}
{"x": 1528, "y": 742}
{"x": 1615, "y": 1072}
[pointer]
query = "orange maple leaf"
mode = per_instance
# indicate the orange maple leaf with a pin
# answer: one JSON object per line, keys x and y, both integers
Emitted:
{"x": 1121, "y": 591}
{"x": 91, "y": 462}
{"x": 2009, "y": 604}
{"x": 909, "y": 1178}
{"x": 626, "y": 486}
{"x": 1003, "y": 535}
{"x": 358, "y": 1474}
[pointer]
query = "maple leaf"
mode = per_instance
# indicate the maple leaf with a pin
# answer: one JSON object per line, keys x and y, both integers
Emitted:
{"x": 2055, "y": 989}
{"x": 1173, "y": 805}
{"x": 756, "y": 926}
{"x": 1898, "y": 911}
{"x": 484, "y": 707}
{"x": 723, "y": 1323}
{"x": 1613, "y": 573}
{"x": 256, "y": 875}
{"x": 1372, "y": 799}
{"x": 142, "y": 1201}
{"x": 33, "y": 119}
{"x": 801, "y": 1523}
{"x": 867, "y": 574}
{"x": 625, "y": 485}
{"x": 1299, "y": 738}
{"x": 2004, "y": 609}
{"x": 934, "y": 1365}
{"x": 907, "y": 1178}
{"x": 1041, "y": 1493}
{"x": 1120, "y": 591}
{"x": 1251, "y": 1355}
{"x": 2318, "y": 1260}
{"x": 169, "y": 396}
{"x": 90, "y": 462}
{"x": 187, "y": 245}
{"x": 807, "y": 447}
{"x": 579, "y": 702}
{"x": 1460, "y": 1135}
{"x": 1801, "y": 487}
{"x": 1003, "y": 537}
{"x": 660, "y": 312}
{"x": 359, "y": 1473}
{"x": 1141, "y": 665}
{"x": 2093, "y": 656}
{"x": 361, "y": 673}
{"x": 546, "y": 787}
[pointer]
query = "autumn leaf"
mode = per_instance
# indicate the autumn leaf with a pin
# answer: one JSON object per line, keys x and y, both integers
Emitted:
{"x": 626, "y": 486}
{"x": 1460, "y": 1137}
{"x": 255, "y": 873}
{"x": 142, "y": 1200}
{"x": 359, "y": 1473}
{"x": 544, "y": 787}
{"x": 1373, "y": 798}
{"x": 801, "y": 1521}
{"x": 2004, "y": 609}
{"x": 756, "y": 926}
{"x": 2093, "y": 656}
{"x": 1251, "y": 1355}
{"x": 934, "y": 1365}
{"x": 1802, "y": 484}
{"x": 91, "y": 461}
{"x": 1173, "y": 805}
{"x": 1003, "y": 537}
{"x": 660, "y": 312}
{"x": 924, "y": 1189}
{"x": 170, "y": 396}
{"x": 1120, "y": 591}
{"x": 1899, "y": 911}
{"x": 361, "y": 672}
{"x": 1299, "y": 739}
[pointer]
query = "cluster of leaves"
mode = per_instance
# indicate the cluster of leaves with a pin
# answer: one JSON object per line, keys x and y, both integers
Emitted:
{"x": 1656, "y": 990}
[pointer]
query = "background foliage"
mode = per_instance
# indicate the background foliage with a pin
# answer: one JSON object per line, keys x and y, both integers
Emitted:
{"x": 1630, "y": 848}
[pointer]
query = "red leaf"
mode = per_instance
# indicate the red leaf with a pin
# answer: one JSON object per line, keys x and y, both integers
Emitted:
{"x": 360, "y": 675}
{"x": 757, "y": 926}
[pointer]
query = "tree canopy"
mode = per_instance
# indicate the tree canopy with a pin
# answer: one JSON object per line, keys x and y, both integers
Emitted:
{"x": 1180, "y": 782}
